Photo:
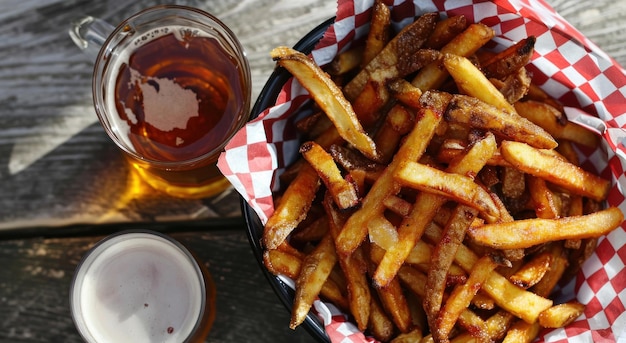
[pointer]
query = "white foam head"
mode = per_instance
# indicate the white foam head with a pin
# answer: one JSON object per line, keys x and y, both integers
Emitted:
{"x": 167, "y": 109}
{"x": 137, "y": 287}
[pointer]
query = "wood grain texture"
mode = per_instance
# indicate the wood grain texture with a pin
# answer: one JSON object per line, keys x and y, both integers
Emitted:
{"x": 58, "y": 167}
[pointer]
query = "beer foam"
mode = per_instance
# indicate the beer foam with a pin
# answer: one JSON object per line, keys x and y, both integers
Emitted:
{"x": 138, "y": 287}
{"x": 167, "y": 105}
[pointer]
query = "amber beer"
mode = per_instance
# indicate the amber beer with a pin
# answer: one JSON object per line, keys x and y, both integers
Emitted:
{"x": 175, "y": 90}
{"x": 141, "y": 286}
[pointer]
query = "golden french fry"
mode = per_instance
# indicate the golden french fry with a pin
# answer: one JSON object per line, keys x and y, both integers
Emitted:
{"x": 465, "y": 44}
{"x": 346, "y": 61}
{"x": 476, "y": 113}
{"x": 454, "y": 186}
{"x": 379, "y": 34}
{"x": 328, "y": 96}
{"x": 292, "y": 208}
{"x": 543, "y": 200}
{"x": 558, "y": 265}
{"x": 403, "y": 91}
{"x": 313, "y": 274}
{"x": 354, "y": 267}
{"x": 498, "y": 324}
{"x": 380, "y": 324}
{"x": 543, "y": 164}
{"x": 446, "y": 30}
{"x": 343, "y": 192}
{"x": 394, "y": 302}
{"x": 533, "y": 271}
{"x": 280, "y": 262}
{"x": 471, "y": 81}
{"x": 529, "y": 232}
{"x": 561, "y": 315}
{"x": 391, "y": 296}
{"x": 398, "y": 122}
{"x": 548, "y": 117}
{"x": 522, "y": 332}
{"x": 442, "y": 258}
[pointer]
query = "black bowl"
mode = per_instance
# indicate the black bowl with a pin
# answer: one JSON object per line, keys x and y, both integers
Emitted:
{"x": 267, "y": 98}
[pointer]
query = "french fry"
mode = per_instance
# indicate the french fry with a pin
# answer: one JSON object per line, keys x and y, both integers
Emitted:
{"x": 442, "y": 258}
{"x": 403, "y": 91}
{"x": 522, "y": 332}
{"x": 346, "y": 61}
{"x": 533, "y": 271}
{"x": 458, "y": 187}
{"x": 561, "y": 315}
{"x": 476, "y": 113}
{"x": 354, "y": 267}
{"x": 509, "y": 60}
{"x": 343, "y": 192}
{"x": 313, "y": 274}
{"x": 379, "y": 322}
{"x": 542, "y": 198}
{"x": 551, "y": 168}
{"x": 498, "y": 324}
{"x": 391, "y": 296}
{"x": 292, "y": 208}
{"x": 312, "y": 232}
{"x": 530, "y": 232}
{"x": 464, "y": 44}
{"x": 379, "y": 34}
{"x": 446, "y": 30}
{"x": 398, "y": 122}
{"x": 558, "y": 265}
{"x": 549, "y": 118}
{"x": 471, "y": 81}
{"x": 328, "y": 96}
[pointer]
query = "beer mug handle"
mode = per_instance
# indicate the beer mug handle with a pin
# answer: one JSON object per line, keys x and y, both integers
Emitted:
{"x": 89, "y": 34}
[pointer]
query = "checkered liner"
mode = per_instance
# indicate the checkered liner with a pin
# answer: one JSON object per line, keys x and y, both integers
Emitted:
{"x": 566, "y": 65}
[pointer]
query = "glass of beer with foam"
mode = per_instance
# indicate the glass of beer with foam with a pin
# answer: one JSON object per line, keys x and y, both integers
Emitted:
{"x": 171, "y": 85}
{"x": 142, "y": 286}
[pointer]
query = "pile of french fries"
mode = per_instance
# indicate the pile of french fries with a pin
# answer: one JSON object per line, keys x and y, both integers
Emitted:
{"x": 439, "y": 197}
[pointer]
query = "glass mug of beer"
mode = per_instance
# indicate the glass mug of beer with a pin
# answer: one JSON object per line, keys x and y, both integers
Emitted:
{"x": 171, "y": 86}
{"x": 141, "y": 286}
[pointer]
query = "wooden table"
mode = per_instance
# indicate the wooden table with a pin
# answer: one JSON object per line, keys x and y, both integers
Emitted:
{"x": 63, "y": 185}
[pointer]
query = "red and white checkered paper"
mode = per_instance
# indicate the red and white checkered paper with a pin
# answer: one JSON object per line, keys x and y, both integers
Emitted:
{"x": 566, "y": 65}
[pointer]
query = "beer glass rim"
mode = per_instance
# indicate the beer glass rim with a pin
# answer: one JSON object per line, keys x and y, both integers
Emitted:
{"x": 143, "y": 233}
{"x": 110, "y": 44}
